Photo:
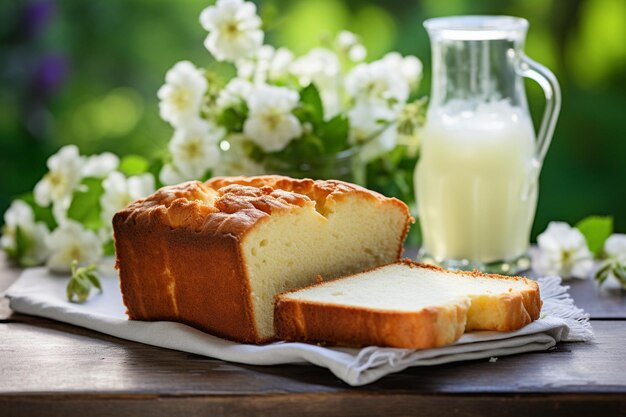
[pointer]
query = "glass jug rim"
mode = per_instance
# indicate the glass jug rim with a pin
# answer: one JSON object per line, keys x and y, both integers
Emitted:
{"x": 477, "y": 27}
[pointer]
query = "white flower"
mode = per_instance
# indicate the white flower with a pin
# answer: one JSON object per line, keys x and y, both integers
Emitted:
{"x": 270, "y": 123}
{"x": 373, "y": 127}
{"x": 194, "y": 149}
{"x": 58, "y": 185}
{"x": 269, "y": 64}
{"x": 70, "y": 241}
{"x": 20, "y": 215}
{"x": 234, "y": 160}
{"x": 182, "y": 94}
{"x": 377, "y": 82}
{"x": 234, "y": 29}
{"x": 279, "y": 64}
{"x": 120, "y": 191}
{"x": 170, "y": 175}
{"x": 99, "y": 166}
{"x": 321, "y": 67}
{"x": 357, "y": 53}
{"x": 234, "y": 93}
{"x": 346, "y": 40}
{"x": 615, "y": 246}
{"x": 563, "y": 251}
{"x": 409, "y": 67}
{"x": 348, "y": 43}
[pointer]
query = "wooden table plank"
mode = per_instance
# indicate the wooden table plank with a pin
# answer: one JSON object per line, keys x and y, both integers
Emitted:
{"x": 354, "y": 404}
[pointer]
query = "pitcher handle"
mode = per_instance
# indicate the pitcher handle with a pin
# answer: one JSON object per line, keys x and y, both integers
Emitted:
{"x": 548, "y": 82}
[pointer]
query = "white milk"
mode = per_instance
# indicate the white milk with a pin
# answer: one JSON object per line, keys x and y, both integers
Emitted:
{"x": 476, "y": 182}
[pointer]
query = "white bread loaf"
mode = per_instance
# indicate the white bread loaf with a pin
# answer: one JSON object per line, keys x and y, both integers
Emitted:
{"x": 405, "y": 305}
{"x": 213, "y": 255}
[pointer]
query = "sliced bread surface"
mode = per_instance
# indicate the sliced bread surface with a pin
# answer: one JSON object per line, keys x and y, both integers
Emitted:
{"x": 407, "y": 305}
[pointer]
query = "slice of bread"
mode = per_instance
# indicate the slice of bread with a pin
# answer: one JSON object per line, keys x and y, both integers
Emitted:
{"x": 405, "y": 305}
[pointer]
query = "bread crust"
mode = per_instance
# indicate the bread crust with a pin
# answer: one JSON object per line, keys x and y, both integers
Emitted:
{"x": 301, "y": 320}
{"x": 178, "y": 250}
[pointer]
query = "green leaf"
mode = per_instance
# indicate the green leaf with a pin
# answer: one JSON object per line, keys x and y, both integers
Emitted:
{"x": 22, "y": 243}
{"x": 109, "y": 248}
{"x": 232, "y": 119}
{"x": 334, "y": 134}
{"x": 134, "y": 165}
{"x": 155, "y": 168}
{"x": 207, "y": 175}
{"x": 85, "y": 207}
{"x": 596, "y": 230}
{"x": 312, "y": 103}
{"x": 42, "y": 214}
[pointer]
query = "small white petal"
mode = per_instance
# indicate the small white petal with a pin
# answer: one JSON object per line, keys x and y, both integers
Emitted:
{"x": 615, "y": 245}
{"x": 100, "y": 166}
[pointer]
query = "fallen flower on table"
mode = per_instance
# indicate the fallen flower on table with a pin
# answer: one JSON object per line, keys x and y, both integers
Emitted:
{"x": 563, "y": 251}
{"x": 614, "y": 266}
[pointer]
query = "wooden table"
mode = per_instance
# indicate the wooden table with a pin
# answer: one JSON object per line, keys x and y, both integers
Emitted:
{"x": 53, "y": 369}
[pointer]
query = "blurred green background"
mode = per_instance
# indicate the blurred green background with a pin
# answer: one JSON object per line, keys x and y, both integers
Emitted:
{"x": 87, "y": 72}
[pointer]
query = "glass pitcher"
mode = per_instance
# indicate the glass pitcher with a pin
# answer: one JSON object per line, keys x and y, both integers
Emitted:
{"x": 476, "y": 179}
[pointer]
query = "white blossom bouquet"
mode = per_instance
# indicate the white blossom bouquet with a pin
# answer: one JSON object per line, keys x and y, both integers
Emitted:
{"x": 67, "y": 218}
{"x": 280, "y": 112}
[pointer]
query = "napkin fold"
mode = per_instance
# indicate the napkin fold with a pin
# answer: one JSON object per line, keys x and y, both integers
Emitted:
{"x": 39, "y": 293}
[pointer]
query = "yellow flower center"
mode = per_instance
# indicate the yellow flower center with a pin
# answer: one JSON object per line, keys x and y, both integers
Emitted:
{"x": 272, "y": 120}
{"x": 232, "y": 29}
{"x": 192, "y": 148}
{"x": 181, "y": 98}
{"x": 75, "y": 253}
{"x": 56, "y": 179}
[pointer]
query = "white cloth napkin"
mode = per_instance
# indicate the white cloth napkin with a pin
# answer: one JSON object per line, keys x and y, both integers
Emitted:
{"x": 39, "y": 293}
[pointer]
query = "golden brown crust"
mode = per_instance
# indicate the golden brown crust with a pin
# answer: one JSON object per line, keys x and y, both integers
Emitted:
{"x": 178, "y": 249}
{"x": 300, "y": 320}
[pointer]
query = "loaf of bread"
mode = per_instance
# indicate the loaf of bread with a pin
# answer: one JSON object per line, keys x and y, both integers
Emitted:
{"x": 405, "y": 305}
{"x": 213, "y": 255}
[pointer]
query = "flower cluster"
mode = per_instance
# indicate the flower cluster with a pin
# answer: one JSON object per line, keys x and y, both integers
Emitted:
{"x": 279, "y": 106}
{"x": 570, "y": 251}
{"x": 68, "y": 216}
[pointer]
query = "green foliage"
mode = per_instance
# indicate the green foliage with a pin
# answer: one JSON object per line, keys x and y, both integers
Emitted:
{"x": 207, "y": 175}
{"x": 85, "y": 207}
{"x": 232, "y": 118}
{"x": 596, "y": 230}
{"x": 109, "y": 248}
{"x": 83, "y": 279}
{"x": 42, "y": 214}
{"x": 22, "y": 243}
{"x": 155, "y": 167}
{"x": 134, "y": 165}
{"x": 334, "y": 134}
{"x": 312, "y": 109}
{"x": 392, "y": 175}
